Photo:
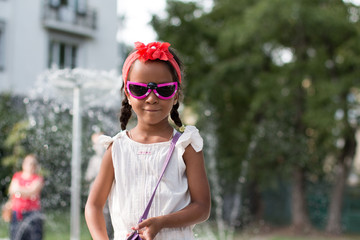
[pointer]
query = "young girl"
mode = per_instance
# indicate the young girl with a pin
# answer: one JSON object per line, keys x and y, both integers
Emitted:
{"x": 134, "y": 158}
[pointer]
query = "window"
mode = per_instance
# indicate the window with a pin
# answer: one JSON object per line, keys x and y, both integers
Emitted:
{"x": 81, "y": 6}
{"x": 2, "y": 46}
{"x": 63, "y": 55}
{"x": 55, "y": 3}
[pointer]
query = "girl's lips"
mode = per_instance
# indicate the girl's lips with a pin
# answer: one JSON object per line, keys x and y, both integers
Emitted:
{"x": 151, "y": 110}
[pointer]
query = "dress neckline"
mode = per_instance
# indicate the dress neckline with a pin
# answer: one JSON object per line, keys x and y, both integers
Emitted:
{"x": 148, "y": 144}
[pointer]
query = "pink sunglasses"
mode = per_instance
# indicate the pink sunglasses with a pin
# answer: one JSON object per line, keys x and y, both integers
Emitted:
{"x": 141, "y": 90}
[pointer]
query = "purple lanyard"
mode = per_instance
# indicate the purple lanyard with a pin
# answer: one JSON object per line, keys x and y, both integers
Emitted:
{"x": 168, "y": 156}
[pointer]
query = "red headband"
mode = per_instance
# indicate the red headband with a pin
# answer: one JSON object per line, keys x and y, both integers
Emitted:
{"x": 151, "y": 51}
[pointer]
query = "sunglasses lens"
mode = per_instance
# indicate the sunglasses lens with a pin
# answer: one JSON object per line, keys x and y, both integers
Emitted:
{"x": 166, "y": 91}
{"x": 137, "y": 90}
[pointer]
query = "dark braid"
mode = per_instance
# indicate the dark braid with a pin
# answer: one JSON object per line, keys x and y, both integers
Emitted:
{"x": 175, "y": 115}
{"x": 125, "y": 113}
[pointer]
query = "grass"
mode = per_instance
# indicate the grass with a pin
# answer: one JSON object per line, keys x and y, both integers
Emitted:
{"x": 3, "y": 229}
{"x": 57, "y": 227}
{"x": 313, "y": 238}
{"x": 286, "y": 233}
{"x": 280, "y": 237}
{"x": 266, "y": 232}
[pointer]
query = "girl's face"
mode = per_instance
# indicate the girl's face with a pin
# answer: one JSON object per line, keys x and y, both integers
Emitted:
{"x": 29, "y": 164}
{"x": 151, "y": 110}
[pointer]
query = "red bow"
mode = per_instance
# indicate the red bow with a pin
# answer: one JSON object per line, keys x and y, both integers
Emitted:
{"x": 154, "y": 50}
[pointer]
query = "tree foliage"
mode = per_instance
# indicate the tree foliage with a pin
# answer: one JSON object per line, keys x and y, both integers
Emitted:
{"x": 12, "y": 112}
{"x": 281, "y": 74}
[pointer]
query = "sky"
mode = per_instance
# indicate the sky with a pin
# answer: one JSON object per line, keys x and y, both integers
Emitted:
{"x": 357, "y": 2}
{"x": 138, "y": 15}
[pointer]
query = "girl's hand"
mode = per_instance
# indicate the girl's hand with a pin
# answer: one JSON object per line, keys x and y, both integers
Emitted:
{"x": 149, "y": 228}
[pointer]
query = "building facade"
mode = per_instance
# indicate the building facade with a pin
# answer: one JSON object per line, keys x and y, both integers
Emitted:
{"x": 39, "y": 34}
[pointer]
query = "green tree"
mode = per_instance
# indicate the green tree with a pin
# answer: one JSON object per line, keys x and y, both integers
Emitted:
{"x": 276, "y": 74}
{"x": 12, "y": 115}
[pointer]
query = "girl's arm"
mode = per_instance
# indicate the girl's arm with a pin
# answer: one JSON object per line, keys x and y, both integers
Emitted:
{"x": 33, "y": 190}
{"x": 36, "y": 187}
{"x": 98, "y": 196}
{"x": 14, "y": 186}
{"x": 26, "y": 192}
{"x": 199, "y": 208}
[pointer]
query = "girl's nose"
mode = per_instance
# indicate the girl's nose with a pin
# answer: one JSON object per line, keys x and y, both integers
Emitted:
{"x": 152, "y": 98}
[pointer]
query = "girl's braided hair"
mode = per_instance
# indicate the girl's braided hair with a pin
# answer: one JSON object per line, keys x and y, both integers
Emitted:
{"x": 125, "y": 112}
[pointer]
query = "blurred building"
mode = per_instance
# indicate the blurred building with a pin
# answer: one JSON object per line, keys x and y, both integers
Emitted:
{"x": 39, "y": 34}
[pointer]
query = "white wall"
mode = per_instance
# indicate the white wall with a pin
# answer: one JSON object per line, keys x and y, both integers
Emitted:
{"x": 102, "y": 51}
{"x": 29, "y": 45}
{"x": 27, "y": 42}
{"x": 6, "y": 11}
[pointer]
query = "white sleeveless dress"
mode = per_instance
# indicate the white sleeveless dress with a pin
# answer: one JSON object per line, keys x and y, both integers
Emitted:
{"x": 137, "y": 168}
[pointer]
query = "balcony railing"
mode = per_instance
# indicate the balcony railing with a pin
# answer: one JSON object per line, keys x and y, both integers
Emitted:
{"x": 65, "y": 19}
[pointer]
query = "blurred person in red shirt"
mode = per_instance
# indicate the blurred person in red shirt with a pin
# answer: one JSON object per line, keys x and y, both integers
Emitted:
{"x": 25, "y": 188}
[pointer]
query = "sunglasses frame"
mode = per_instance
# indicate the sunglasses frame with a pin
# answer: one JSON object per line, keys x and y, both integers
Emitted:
{"x": 151, "y": 87}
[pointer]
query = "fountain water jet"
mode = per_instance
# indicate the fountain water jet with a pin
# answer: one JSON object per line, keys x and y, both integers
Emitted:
{"x": 94, "y": 88}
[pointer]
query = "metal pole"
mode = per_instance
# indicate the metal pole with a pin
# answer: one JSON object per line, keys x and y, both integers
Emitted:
{"x": 76, "y": 167}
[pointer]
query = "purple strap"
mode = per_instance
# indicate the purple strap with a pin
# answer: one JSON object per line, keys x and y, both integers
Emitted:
{"x": 167, "y": 160}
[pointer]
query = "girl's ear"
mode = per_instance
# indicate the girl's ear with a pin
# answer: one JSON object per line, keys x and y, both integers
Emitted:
{"x": 176, "y": 98}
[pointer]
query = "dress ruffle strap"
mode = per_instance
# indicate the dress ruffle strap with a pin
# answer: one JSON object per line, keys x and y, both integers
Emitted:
{"x": 191, "y": 136}
{"x": 107, "y": 140}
